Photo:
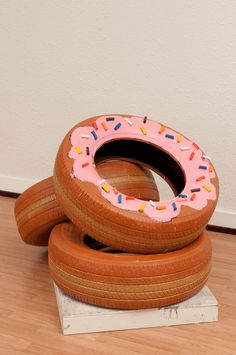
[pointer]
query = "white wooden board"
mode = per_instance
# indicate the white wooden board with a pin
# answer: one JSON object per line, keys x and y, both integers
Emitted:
{"x": 77, "y": 317}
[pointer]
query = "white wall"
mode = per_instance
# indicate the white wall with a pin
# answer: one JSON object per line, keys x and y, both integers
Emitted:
{"x": 66, "y": 60}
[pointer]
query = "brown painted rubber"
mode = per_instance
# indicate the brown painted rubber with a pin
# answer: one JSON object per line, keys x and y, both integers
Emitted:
{"x": 126, "y": 281}
{"x": 125, "y": 230}
{"x": 37, "y": 210}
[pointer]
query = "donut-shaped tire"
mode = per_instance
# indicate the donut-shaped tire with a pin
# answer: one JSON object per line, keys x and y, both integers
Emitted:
{"x": 126, "y": 281}
{"x": 37, "y": 209}
{"x": 135, "y": 225}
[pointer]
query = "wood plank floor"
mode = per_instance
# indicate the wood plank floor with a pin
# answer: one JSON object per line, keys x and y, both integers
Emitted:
{"x": 30, "y": 323}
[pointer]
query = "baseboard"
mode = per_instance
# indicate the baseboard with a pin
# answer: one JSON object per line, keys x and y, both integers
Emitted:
{"x": 13, "y": 186}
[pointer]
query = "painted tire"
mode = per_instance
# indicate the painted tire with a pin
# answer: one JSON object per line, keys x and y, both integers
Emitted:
{"x": 135, "y": 225}
{"x": 37, "y": 210}
{"x": 126, "y": 281}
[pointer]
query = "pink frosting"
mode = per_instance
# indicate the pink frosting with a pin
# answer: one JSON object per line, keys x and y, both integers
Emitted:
{"x": 84, "y": 167}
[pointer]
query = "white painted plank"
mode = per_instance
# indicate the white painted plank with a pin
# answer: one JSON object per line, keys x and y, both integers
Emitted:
{"x": 77, "y": 317}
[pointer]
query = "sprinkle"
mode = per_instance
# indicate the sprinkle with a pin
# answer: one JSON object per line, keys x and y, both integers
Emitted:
{"x": 182, "y": 199}
{"x": 152, "y": 203}
{"x": 110, "y": 119}
{"x": 115, "y": 190}
{"x": 192, "y": 197}
{"x": 117, "y": 126}
{"x": 195, "y": 145}
{"x": 143, "y": 130}
{"x": 95, "y": 126}
{"x": 206, "y": 157}
{"x": 119, "y": 198}
{"x": 196, "y": 190}
{"x": 160, "y": 207}
{"x": 129, "y": 122}
{"x": 202, "y": 167}
{"x": 211, "y": 168}
{"x": 206, "y": 187}
{"x": 182, "y": 196}
{"x": 169, "y": 136}
{"x": 161, "y": 130}
{"x": 102, "y": 181}
{"x": 87, "y": 151}
{"x": 105, "y": 188}
{"x": 191, "y": 156}
{"x": 145, "y": 119}
{"x": 200, "y": 178}
{"x": 94, "y": 135}
{"x": 174, "y": 206}
{"x": 85, "y": 136}
{"x": 184, "y": 148}
{"x": 130, "y": 198}
{"x": 142, "y": 206}
{"x": 104, "y": 126}
{"x": 78, "y": 149}
{"x": 85, "y": 164}
{"x": 179, "y": 138}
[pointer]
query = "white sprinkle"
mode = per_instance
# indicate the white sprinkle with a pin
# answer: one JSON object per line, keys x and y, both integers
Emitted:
{"x": 102, "y": 181}
{"x": 152, "y": 203}
{"x": 184, "y": 148}
{"x": 129, "y": 122}
{"x": 85, "y": 136}
{"x": 206, "y": 157}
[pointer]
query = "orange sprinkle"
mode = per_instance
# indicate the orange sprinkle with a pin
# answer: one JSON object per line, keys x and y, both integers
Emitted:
{"x": 161, "y": 207}
{"x": 192, "y": 197}
{"x": 211, "y": 168}
{"x": 179, "y": 138}
{"x": 130, "y": 198}
{"x": 200, "y": 178}
{"x": 104, "y": 126}
{"x": 161, "y": 130}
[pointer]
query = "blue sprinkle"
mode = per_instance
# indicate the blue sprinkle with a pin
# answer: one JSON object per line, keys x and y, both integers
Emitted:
{"x": 87, "y": 151}
{"x": 203, "y": 167}
{"x": 119, "y": 198}
{"x": 196, "y": 190}
{"x": 183, "y": 196}
{"x": 110, "y": 119}
{"x": 94, "y": 135}
{"x": 174, "y": 206}
{"x": 169, "y": 136}
{"x": 117, "y": 126}
{"x": 145, "y": 119}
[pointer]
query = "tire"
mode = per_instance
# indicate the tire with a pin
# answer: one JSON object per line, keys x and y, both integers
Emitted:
{"x": 88, "y": 206}
{"x": 126, "y": 281}
{"x": 37, "y": 210}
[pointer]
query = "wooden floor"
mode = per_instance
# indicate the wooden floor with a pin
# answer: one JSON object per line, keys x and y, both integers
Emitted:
{"x": 30, "y": 323}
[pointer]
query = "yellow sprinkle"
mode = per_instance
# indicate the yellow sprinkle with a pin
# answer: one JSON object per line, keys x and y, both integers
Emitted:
{"x": 160, "y": 207}
{"x": 182, "y": 199}
{"x": 211, "y": 168}
{"x": 179, "y": 138}
{"x": 143, "y": 130}
{"x": 105, "y": 188}
{"x": 162, "y": 128}
{"x": 142, "y": 206}
{"x": 78, "y": 149}
{"x": 206, "y": 187}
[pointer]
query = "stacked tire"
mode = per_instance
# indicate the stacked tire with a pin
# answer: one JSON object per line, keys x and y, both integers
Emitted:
{"x": 104, "y": 251}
